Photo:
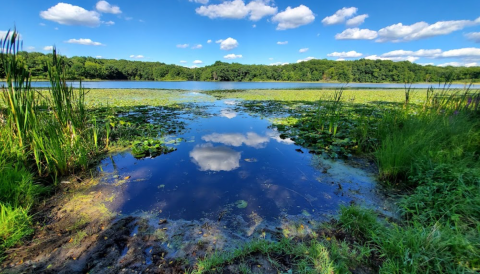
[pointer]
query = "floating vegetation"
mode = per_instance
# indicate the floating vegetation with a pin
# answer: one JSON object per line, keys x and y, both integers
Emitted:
{"x": 150, "y": 148}
{"x": 241, "y": 204}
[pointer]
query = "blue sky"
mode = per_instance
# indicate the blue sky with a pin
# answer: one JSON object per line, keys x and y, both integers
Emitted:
{"x": 200, "y": 32}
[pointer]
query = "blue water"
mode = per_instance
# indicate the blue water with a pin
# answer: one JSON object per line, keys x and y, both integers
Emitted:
{"x": 192, "y": 85}
{"x": 230, "y": 159}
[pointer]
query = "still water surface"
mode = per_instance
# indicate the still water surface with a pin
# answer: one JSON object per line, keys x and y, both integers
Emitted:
{"x": 233, "y": 163}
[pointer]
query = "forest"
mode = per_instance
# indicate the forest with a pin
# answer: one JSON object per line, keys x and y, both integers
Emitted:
{"x": 358, "y": 71}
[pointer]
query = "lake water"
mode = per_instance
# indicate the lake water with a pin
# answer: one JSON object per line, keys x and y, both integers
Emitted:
{"x": 234, "y": 164}
{"x": 193, "y": 85}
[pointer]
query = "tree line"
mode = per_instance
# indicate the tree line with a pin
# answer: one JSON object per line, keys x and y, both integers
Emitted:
{"x": 359, "y": 71}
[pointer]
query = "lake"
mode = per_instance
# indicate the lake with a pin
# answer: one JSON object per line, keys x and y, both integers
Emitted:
{"x": 195, "y": 85}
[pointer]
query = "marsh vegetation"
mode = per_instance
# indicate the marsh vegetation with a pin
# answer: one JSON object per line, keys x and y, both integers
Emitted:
{"x": 424, "y": 145}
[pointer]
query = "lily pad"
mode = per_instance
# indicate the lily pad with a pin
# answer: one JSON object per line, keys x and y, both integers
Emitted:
{"x": 241, "y": 203}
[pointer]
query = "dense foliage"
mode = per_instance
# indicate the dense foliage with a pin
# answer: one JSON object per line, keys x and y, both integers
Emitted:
{"x": 361, "y": 71}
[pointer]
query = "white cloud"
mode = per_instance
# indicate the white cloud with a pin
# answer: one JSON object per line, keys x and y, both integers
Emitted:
{"x": 420, "y": 30}
{"x": 254, "y": 26}
{"x": 303, "y": 50}
{"x": 227, "y": 44}
{"x": 98, "y": 57}
{"x": 399, "y": 58}
{"x": 339, "y": 16}
{"x": 137, "y": 56}
{"x": 67, "y": 14}
{"x": 464, "y": 52}
{"x": 82, "y": 41}
{"x": 194, "y": 67}
{"x": 109, "y": 23}
{"x": 209, "y": 41}
{"x": 293, "y": 18}
{"x": 237, "y": 9}
{"x": 210, "y": 158}
{"x": 282, "y": 43}
{"x": 199, "y": 46}
{"x": 356, "y": 34}
{"x": 278, "y": 64}
{"x": 429, "y": 53}
{"x": 425, "y": 64}
{"x": 306, "y": 59}
{"x": 343, "y": 54}
{"x": 105, "y": 7}
{"x": 42, "y": 24}
{"x": 340, "y": 59}
{"x": 199, "y": 1}
{"x": 270, "y": 58}
{"x": 232, "y": 56}
{"x": 197, "y": 62}
{"x": 228, "y": 113}
{"x": 453, "y": 64}
{"x": 183, "y": 62}
{"x": 357, "y": 20}
{"x": 48, "y": 48}
{"x": 182, "y": 46}
{"x": 474, "y": 36}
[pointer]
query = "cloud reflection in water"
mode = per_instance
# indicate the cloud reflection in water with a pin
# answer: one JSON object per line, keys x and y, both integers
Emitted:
{"x": 210, "y": 158}
{"x": 237, "y": 139}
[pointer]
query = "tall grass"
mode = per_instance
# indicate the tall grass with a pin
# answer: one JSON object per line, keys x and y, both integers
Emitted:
{"x": 46, "y": 134}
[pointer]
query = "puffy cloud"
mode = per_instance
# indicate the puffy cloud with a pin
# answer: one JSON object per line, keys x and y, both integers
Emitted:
{"x": 339, "y": 16}
{"x": 467, "y": 53}
{"x": 199, "y": 1}
{"x": 420, "y": 30}
{"x": 293, "y": 17}
{"x": 343, "y": 54}
{"x": 458, "y": 64}
{"x": 357, "y": 20}
{"x": 282, "y": 43}
{"x": 232, "y": 56}
{"x": 136, "y": 56}
{"x": 251, "y": 139}
{"x": 419, "y": 53}
{"x": 474, "y": 36}
{"x": 210, "y": 158}
{"x": 237, "y": 9}
{"x": 197, "y": 62}
{"x": 398, "y": 58}
{"x": 183, "y": 62}
{"x": 199, "y": 46}
{"x": 105, "y": 7}
{"x": 48, "y": 48}
{"x": 99, "y": 57}
{"x": 306, "y": 59}
{"x": 67, "y": 14}
{"x": 182, "y": 46}
{"x": 109, "y": 23}
{"x": 209, "y": 41}
{"x": 356, "y": 34}
{"x": 303, "y": 50}
{"x": 278, "y": 64}
{"x": 227, "y": 44}
{"x": 82, "y": 41}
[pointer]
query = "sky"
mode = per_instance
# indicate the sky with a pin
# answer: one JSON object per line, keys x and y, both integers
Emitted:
{"x": 195, "y": 33}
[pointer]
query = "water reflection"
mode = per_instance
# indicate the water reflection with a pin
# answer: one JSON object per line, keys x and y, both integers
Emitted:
{"x": 251, "y": 139}
{"x": 228, "y": 113}
{"x": 273, "y": 134}
{"x": 210, "y": 158}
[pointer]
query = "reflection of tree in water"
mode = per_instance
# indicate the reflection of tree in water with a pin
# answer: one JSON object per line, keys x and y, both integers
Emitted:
{"x": 207, "y": 157}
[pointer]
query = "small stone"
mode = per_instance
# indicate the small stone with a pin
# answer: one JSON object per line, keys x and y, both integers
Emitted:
{"x": 162, "y": 221}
